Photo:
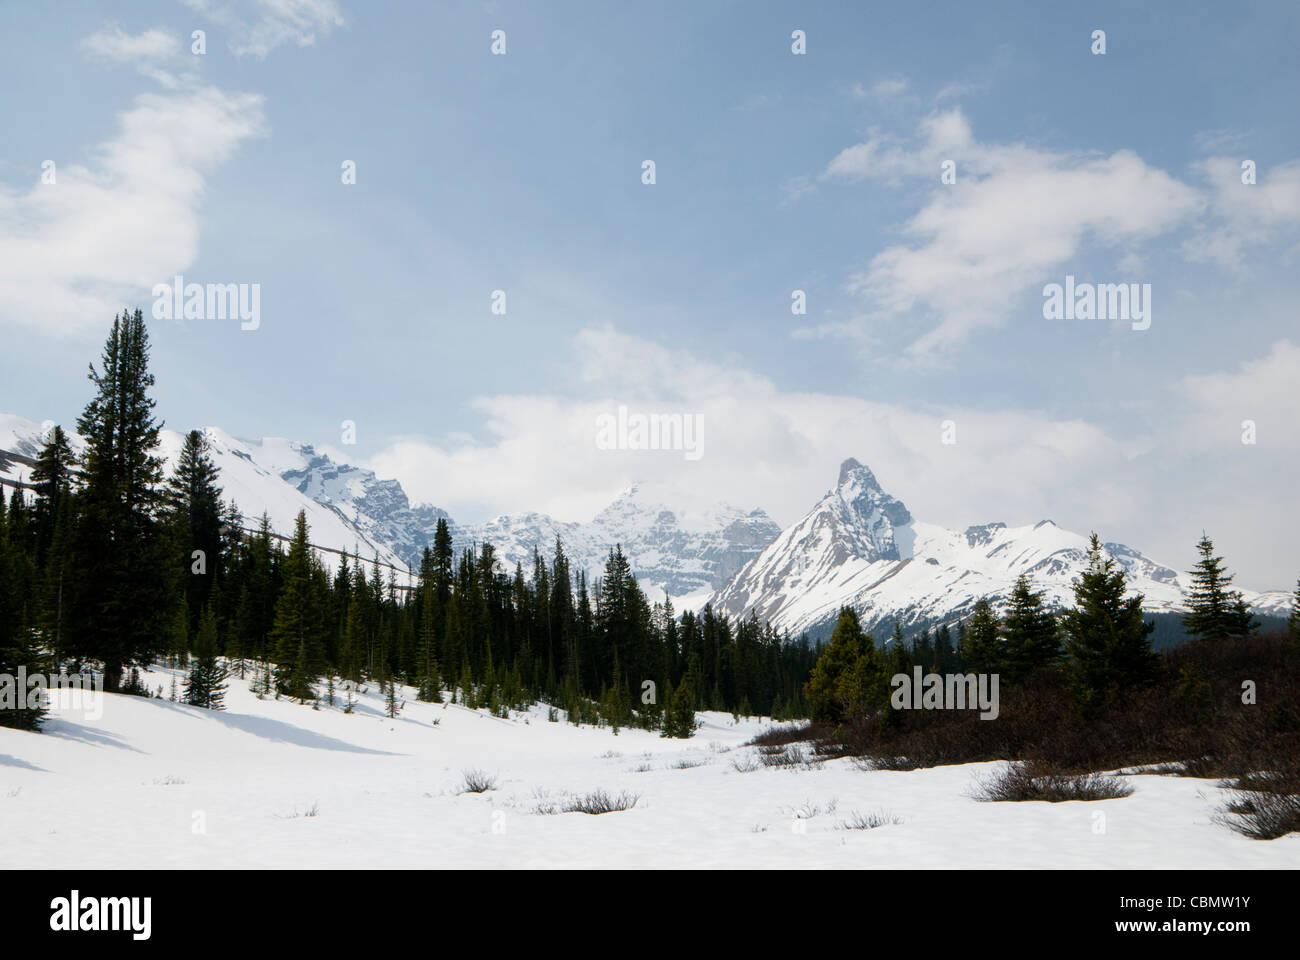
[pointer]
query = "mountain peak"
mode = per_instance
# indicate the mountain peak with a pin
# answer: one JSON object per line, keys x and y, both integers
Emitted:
{"x": 851, "y": 470}
{"x": 859, "y": 488}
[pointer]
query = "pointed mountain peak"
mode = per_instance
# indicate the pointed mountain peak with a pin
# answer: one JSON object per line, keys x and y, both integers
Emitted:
{"x": 852, "y": 472}
{"x": 859, "y": 488}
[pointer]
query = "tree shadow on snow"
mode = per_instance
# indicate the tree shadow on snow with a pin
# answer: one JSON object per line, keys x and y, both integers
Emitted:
{"x": 67, "y": 730}
{"x": 9, "y": 761}
{"x": 275, "y": 730}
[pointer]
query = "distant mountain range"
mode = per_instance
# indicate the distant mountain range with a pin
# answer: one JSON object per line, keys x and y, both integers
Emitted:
{"x": 858, "y": 545}
{"x": 689, "y": 554}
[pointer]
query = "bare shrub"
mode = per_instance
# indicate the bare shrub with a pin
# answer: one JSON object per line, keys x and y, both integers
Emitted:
{"x": 476, "y": 781}
{"x": 793, "y": 755}
{"x": 598, "y": 801}
{"x": 781, "y": 735}
{"x": 687, "y": 763}
{"x": 1261, "y": 816}
{"x": 1263, "y": 805}
{"x": 1023, "y": 781}
{"x": 311, "y": 811}
{"x": 807, "y": 810}
{"x": 869, "y": 821}
{"x": 886, "y": 763}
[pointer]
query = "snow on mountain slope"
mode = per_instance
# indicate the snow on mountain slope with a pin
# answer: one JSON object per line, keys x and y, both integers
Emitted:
{"x": 272, "y": 784}
{"x": 687, "y": 552}
{"x": 860, "y": 547}
{"x": 378, "y": 508}
{"x": 244, "y": 478}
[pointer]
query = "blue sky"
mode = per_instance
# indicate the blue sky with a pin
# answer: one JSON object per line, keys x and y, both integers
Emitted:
{"x": 775, "y": 172}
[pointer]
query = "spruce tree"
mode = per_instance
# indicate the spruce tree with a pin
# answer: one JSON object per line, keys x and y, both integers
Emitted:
{"x": 392, "y": 705}
{"x": 299, "y": 628}
{"x": 944, "y": 655}
{"x": 1293, "y": 621}
{"x": 1030, "y": 635}
{"x": 1215, "y": 612}
{"x": 51, "y": 481}
{"x": 679, "y": 718}
{"x": 119, "y": 591}
{"x": 981, "y": 639}
{"x": 20, "y": 707}
{"x": 848, "y": 679}
{"x": 900, "y": 660}
{"x": 197, "y": 517}
{"x": 205, "y": 685}
{"x": 1107, "y": 641}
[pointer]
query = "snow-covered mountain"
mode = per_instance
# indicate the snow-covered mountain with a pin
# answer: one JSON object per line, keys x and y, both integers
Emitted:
{"x": 688, "y": 553}
{"x": 860, "y": 547}
{"x": 252, "y": 475}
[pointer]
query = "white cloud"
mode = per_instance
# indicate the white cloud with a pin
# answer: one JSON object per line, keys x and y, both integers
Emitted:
{"x": 1262, "y": 390}
{"x": 762, "y": 446}
{"x": 73, "y": 252}
{"x": 1015, "y": 216}
{"x": 780, "y": 450}
{"x": 1245, "y": 215}
{"x": 117, "y": 46}
{"x": 258, "y": 27}
{"x": 885, "y": 89}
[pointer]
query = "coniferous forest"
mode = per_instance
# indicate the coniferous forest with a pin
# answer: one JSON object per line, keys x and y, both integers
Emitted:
{"x": 108, "y": 562}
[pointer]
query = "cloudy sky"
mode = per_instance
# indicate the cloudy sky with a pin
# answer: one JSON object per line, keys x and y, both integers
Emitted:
{"x": 774, "y": 172}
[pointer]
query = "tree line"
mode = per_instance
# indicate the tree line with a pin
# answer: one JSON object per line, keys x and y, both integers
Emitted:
{"x": 1101, "y": 646}
{"x": 108, "y": 564}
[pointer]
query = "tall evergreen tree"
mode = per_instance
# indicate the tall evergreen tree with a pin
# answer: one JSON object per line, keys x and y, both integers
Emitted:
{"x": 945, "y": 657}
{"x": 298, "y": 630}
{"x": 1106, "y": 639}
{"x": 120, "y": 600}
{"x": 53, "y": 512}
{"x": 51, "y": 481}
{"x": 981, "y": 640}
{"x": 679, "y": 718}
{"x": 848, "y": 679}
{"x": 1293, "y": 621}
{"x": 19, "y": 707}
{"x": 198, "y": 516}
{"x": 205, "y": 684}
{"x": 1216, "y": 613}
{"x": 1030, "y": 635}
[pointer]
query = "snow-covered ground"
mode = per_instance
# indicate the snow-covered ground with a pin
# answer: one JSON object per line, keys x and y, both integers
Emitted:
{"x": 155, "y": 784}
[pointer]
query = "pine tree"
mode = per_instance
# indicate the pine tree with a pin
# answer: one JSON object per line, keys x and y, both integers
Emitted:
{"x": 298, "y": 629}
{"x": 205, "y": 685}
{"x": 428, "y": 688}
{"x": 848, "y": 679}
{"x": 944, "y": 655}
{"x": 51, "y": 481}
{"x": 119, "y": 593}
{"x": 20, "y": 707}
{"x": 1216, "y": 613}
{"x": 981, "y": 640}
{"x": 1293, "y": 621}
{"x": 392, "y": 705}
{"x": 1107, "y": 641}
{"x": 900, "y": 660}
{"x": 1031, "y": 637}
{"x": 197, "y": 518}
{"x": 679, "y": 718}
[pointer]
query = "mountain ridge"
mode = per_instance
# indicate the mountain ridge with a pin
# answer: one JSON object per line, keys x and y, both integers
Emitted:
{"x": 859, "y": 546}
